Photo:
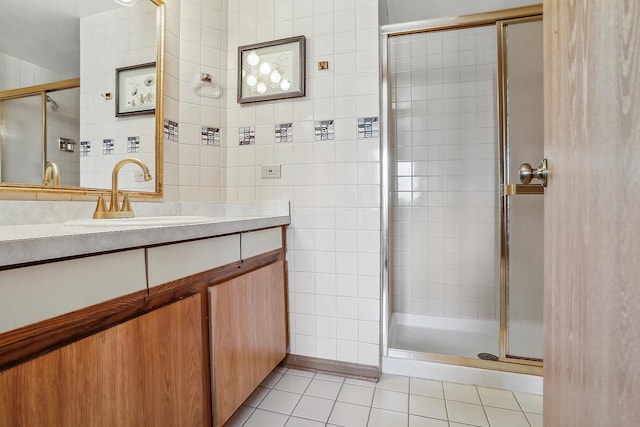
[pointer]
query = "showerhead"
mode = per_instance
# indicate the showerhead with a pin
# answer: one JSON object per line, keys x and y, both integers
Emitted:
{"x": 54, "y": 104}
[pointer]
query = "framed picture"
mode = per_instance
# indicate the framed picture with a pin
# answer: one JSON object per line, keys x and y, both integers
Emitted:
{"x": 136, "y": 90}
{"x": 271, "y": 70}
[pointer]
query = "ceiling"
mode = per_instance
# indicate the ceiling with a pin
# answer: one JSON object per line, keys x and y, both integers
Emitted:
{"x": 45, "y": 32}
{"x": 417, "y": 10}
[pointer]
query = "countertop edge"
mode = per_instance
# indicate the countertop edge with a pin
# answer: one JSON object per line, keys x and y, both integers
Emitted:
{"x": 32, "y": 250}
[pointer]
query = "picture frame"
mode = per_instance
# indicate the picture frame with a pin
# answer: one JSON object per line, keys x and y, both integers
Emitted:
{"x": 271, "y": 70}
{"x": 136, "y": 90}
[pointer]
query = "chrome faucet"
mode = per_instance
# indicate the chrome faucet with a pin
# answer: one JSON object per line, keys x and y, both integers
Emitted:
{"x": 51, "y": 172}
{"x": 115, "y": 210}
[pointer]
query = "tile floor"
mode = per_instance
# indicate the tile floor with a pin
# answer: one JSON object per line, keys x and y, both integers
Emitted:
{"x": 294, "y": 398}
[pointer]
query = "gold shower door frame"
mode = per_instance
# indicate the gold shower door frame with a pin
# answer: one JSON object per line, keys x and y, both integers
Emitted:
{"x": 500, "y": 19}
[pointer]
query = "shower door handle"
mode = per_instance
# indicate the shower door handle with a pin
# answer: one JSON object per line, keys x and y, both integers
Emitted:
{"x": 527, "y": 173}
{"x": 521, "y": 189}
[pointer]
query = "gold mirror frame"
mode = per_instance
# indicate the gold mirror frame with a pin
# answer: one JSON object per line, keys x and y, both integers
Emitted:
{"x": 7, "y": 190}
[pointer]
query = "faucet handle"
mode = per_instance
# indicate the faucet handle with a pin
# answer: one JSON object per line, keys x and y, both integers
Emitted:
{"x": 101, "y": 208}
{"x": 126, "y": 205}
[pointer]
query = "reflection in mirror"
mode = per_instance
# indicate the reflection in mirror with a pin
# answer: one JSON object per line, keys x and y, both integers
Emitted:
{"x": 62, "y": 112}
{"x": 84, "y": 138}
{"x": 21, "y": 156}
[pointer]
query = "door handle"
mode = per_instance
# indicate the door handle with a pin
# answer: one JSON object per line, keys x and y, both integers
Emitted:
{"x": 521, "y": 189}
{"x": 527, "y": 173}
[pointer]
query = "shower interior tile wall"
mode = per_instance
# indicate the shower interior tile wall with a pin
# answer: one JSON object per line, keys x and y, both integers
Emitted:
{"x": 444, "y": 215}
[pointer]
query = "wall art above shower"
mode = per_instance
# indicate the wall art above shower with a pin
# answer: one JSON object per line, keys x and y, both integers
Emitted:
{"x": 271, "y": 70}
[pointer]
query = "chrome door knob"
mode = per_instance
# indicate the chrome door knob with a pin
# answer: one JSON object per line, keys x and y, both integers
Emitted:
{"x": 527, "y": 173}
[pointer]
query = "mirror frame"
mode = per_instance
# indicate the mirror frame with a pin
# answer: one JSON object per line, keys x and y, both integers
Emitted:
{"x": 66, "y": 84}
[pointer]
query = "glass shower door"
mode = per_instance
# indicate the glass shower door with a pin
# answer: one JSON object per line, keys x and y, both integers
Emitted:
{"x": 523, "y": 205}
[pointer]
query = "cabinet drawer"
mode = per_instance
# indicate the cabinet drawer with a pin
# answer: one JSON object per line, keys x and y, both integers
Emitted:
{"x": 35, "y": 293}
{"x": 261, "y": 241}
{"x": 172, "y": 262}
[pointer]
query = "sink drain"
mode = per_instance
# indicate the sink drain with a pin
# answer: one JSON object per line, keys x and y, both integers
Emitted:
{"x": 488, "y": 356}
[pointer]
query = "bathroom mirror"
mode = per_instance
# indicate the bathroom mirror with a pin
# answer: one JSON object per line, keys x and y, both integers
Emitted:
{"x": 58, "y": 63}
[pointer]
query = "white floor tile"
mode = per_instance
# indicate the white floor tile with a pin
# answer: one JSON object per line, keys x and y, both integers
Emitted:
{"x": 271, "y": 379}
{"x": 530, "y": 402}
{"x": 356, "y": 394}
{"x": 361, "y": 383}
{"x": 280, "y": 401}
{"x": 534, "y": 419}
{"x": 461, "y": 393}
{"x": 429, "y": 407}
{"x": 498, "y": 398}
{"x": 416, "y": 421}
{"x": 239, "y": 417}
{"x": 292, "y": 383}
{"x": 349, "y": 415}
{"x": 301, "y": 422}
{"x": 467, "y": 413}
{"x": 296, "y": 398}
{"x": 426, "y": 387}
{"x": 301, "y": 373}
{"x": 499, "y": 417}
{"x": 261, "y": 418}
{"x": 323, "y": 388}
{"x": 328, "y": 377}
{"x": 393, "y": 383}
{"x": 391, "y": 400}
{"x": 383, "y": 418}
{"x": 313, "y": 408}
{"x": 256, "y": 397}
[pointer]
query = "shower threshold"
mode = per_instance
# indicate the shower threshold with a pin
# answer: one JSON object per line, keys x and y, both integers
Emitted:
{"x": 449, "y": 336}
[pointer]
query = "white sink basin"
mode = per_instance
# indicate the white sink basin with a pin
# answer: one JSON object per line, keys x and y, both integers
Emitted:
{"x": 139, "y": 221}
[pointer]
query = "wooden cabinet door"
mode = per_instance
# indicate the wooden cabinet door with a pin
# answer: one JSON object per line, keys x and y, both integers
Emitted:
{"x": 148, "y": 371}
{"x": 248, "y": 331}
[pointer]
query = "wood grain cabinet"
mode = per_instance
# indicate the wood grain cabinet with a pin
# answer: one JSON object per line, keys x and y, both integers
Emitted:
{"x": 186, "y": 351}
{"x": 248, "y": 335}
{"x": 148, "y": 371}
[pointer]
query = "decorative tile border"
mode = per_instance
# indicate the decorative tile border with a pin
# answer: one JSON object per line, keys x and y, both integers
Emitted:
{"x": 133, "y": 144}
{"x": 324, "y": 130}
{"x": 284, "y": 132}
{"x": 170, "y": 130}
{"x": 368, "y": 127}
{"x": 210, "y": 136}
{"x": 247, "y": 135}
{"x": 107, "y": 147}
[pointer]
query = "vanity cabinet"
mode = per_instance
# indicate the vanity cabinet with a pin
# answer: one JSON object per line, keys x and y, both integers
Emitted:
{"x": 200, "y": 326}
{"x": 147, "y": 371}
{"x": 248, "y": 335}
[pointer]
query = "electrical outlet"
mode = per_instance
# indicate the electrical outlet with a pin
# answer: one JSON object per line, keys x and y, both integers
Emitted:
{"x": 271, "y": 171}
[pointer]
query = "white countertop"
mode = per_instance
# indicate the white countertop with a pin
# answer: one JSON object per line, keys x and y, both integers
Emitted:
{"x": 31, "y": 243}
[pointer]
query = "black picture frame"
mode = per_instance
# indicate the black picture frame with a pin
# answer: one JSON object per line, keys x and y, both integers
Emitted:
{"x": 136, "y": 90}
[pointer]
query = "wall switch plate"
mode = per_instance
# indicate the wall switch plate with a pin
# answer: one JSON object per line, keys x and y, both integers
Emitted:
{"x": 272, "y": 171}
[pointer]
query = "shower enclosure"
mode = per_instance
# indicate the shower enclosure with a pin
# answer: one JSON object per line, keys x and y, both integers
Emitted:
{"x": 462, "y": 265}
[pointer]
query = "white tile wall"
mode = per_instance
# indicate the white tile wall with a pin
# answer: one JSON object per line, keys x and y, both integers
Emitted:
{"x": 444, "y": 188}
{"x": 119, "y": 38}
{"x": 16, "y": 73}
{"x": 333, "y": 241}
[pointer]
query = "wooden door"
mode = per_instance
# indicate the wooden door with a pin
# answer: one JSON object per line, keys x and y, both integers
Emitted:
{"x": 148, "y": 371}
{"x": 592, "y": 213}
